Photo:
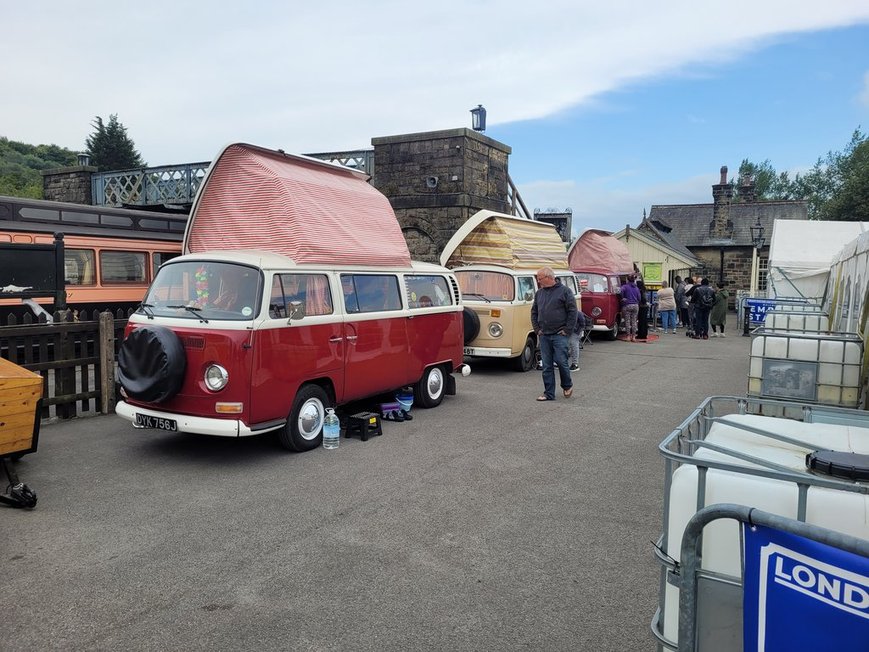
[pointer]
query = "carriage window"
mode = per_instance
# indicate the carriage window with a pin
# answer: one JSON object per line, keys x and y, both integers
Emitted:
{"x": 79, "y": 266}
{"x": 427, "y": 291}
{"x": 160, "y": 257}
{"x": 122, "y": 267}
{"x": 310, "y": 290}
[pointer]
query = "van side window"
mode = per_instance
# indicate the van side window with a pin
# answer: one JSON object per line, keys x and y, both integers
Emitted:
{"x": 311, "y": 290}
{"x": 376, "y": 292}
{"x": 427, "y": 291}
{"x": 526, "y": 288}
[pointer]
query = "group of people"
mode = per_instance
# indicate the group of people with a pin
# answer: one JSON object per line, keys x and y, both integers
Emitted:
{"x": 559, "y": 325}
{"x": 692, "y": 305}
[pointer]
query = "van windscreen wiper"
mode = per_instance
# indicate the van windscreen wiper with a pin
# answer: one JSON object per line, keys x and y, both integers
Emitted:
{"x": 195, "y": 311}
{"x": 474, "y": 294}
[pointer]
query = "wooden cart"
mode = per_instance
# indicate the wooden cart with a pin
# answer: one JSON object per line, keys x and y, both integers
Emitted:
{"x": 20, "y": 407}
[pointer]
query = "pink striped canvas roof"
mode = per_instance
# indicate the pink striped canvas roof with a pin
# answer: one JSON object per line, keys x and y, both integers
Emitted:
{"x": 308, "y": 210}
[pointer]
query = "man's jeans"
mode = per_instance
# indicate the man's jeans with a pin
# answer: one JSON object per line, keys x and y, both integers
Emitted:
{"x": 553, "y": 348}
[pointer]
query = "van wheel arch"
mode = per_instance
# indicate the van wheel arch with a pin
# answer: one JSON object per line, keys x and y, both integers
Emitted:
{"x": 429, "y": 390}
{"x": 304, "y": 428}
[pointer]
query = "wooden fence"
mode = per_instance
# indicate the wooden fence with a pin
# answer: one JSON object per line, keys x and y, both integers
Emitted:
{"x": 76, "y": 359}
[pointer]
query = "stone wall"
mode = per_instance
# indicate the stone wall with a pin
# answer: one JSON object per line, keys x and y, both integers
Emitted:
{"x": 737, "y": 267}
{"x": 72, "y": 184}
{"x": 436, "y": 180}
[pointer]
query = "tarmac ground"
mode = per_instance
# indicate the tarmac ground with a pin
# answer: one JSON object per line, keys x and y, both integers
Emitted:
{"x": 492, "y": 522}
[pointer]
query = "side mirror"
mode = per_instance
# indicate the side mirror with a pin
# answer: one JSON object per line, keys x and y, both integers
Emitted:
{"x": 297, "y": 311}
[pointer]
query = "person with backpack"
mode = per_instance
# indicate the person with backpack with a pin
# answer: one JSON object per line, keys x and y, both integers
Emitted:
{"x": 703, "y": 299}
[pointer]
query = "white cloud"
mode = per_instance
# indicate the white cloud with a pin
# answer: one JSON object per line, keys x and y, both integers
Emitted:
{"x": 185, "y": 78}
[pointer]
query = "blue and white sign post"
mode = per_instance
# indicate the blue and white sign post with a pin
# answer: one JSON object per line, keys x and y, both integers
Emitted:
{"x": 799, "y": 594}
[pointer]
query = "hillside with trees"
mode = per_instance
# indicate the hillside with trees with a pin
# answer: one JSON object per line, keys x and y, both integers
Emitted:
{"x": 109, "y": 148}
{"x": 21, "y": 163}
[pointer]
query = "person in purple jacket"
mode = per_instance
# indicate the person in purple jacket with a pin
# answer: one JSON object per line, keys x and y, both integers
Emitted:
{"x": 631, "y": 306}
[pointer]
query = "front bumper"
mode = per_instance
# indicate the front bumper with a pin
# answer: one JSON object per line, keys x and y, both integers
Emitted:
{"x": 193, "y": 425}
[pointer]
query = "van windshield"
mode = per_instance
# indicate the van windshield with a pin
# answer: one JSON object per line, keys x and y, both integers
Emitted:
{"x": 491, "y": 286}
{"x": 592, "y": 282}
{"x": 204, "y": 290}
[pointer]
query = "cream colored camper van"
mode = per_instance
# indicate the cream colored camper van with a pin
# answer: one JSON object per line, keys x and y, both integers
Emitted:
{"x": 494, "y": 257}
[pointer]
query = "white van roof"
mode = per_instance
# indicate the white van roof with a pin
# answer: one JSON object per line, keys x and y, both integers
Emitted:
{"x": 269, "y": 260}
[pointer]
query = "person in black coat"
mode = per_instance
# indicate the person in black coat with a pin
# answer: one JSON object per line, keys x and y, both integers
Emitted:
{"x": 643, "y": 318}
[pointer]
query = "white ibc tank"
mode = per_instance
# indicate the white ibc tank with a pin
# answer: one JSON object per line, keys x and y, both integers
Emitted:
{"x": 791, "y": 320}
{"x": 833, "y": 508}
{"x": 815, "y": 367}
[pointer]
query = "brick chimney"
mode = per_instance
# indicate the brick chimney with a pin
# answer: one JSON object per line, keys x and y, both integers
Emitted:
{"x": 722, "y": 195}
{"x": 747, "y": 192}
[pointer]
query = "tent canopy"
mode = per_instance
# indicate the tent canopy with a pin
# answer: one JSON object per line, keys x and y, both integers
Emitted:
{"x": 296, "y": 206}
{"x": 490, "y": 238}
{"x": 597, "y": 250}
{"x": 801, "y": 253}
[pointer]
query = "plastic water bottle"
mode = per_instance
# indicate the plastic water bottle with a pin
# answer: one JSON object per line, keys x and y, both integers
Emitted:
{"x": 331, "y": 429}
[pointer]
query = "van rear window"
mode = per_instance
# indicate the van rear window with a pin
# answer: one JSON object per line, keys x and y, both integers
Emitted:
{"x": 424, "y": 291}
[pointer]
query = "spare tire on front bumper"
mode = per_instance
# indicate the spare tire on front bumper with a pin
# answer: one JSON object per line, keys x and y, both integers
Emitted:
{"x": 151, "y": 364}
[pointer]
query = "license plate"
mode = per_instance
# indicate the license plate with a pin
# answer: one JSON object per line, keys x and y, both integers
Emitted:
{"x": 469, "y": 351}
{"x": 158, "y": 423}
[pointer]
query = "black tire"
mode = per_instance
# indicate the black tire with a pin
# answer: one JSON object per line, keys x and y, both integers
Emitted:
{"x": 151, "y": 364}
{"x": 528, "y": 358}
{"x": 471, "y": 323}
{"x": 429, "y": 390}
{"x": 304, "y": 428}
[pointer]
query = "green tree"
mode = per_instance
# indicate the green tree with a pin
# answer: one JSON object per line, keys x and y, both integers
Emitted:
{"x": 110, "y": 148}
{"x": 768, "y": 184}
{"x": 21, "y": 163}
{"x": 837, "y": 187}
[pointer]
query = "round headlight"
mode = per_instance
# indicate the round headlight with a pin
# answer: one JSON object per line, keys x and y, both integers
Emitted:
{"x": 495, "y": 329}
{"x": 595, "y": 312}
{"x": 216, "y": 377}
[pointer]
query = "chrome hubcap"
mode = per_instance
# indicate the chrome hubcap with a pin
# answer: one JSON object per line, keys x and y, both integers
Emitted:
{"x": 311, "y": 419}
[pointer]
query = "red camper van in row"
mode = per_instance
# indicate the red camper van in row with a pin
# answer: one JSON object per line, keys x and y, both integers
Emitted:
{"x": 601, "y": 264}
{"x": 295, "y": 293}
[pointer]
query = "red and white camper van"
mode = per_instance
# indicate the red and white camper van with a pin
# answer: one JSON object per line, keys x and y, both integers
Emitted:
{"x": 310, "y": 301}
{"x": 601, "y": 264}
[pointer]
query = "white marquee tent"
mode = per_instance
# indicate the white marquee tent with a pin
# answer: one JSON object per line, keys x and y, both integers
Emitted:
{"x": 801, "y": 253}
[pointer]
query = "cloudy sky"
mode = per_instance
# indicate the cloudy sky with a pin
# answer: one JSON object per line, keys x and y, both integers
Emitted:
{"x": 609, "y": 107}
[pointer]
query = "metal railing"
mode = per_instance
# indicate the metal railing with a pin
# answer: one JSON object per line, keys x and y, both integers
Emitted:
{"x": 166, "y": 185}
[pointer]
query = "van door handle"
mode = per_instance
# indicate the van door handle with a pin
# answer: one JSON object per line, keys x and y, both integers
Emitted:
{"x": 335, "y": 339}
{"x": 351, "y": 338}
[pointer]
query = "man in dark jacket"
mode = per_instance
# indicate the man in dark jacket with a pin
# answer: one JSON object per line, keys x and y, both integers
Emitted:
{"x": 553, "y": 317}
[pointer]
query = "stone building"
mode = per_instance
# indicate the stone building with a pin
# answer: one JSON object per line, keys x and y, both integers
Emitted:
{"x": 436, "y": 180}
{"x": 719, "y": 234}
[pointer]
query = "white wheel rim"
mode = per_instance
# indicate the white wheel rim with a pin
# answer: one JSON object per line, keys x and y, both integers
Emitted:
{"x": 310, "y": 419}
{"x": 435, "y": 383}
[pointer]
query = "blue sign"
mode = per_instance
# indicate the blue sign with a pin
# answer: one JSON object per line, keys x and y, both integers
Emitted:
{"x": 799, "y": 594}
{"x": 757, "y": 309}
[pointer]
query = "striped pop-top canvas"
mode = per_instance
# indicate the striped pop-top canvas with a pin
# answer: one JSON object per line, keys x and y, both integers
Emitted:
{"x": 312, "y": 212}
{"x": 517, "y": 244}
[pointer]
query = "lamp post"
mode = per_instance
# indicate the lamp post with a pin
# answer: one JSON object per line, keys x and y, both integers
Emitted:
{"x": 478, "y": 118}
{"x": 758, "y": 241}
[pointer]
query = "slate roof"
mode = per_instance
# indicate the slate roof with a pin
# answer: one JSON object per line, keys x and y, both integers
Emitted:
{"x": 666, "y": 237}
{"x": 691, "y": 224}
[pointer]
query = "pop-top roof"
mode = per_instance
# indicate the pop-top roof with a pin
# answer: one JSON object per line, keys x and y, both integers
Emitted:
{"x": 490, "y": 238}
{"x": 597, "y": 250}
{"x": 296, "y": 206}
